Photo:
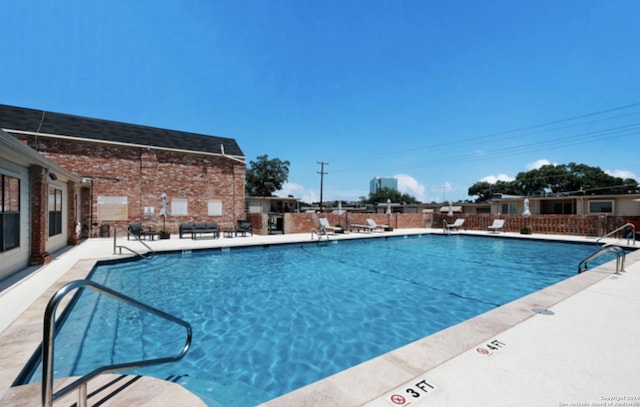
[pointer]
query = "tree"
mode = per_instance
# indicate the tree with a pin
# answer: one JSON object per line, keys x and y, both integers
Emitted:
{"x": 266, "y": 176}
{"x": 484, "y": 190}
{"x": 570, "y": 179}
{"x": 382, "y": 194}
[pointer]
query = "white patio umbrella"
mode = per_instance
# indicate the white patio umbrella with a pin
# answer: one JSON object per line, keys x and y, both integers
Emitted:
{"x": 450, "y": 209}
{"x": 163, "y": 210}
{"x": 526, "y": 213}
{"x": 389, "y": 212}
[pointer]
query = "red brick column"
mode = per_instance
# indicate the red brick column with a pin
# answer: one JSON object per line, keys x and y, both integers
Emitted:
{"x": 39, "y": 190}
{"x": 72, "y": 202}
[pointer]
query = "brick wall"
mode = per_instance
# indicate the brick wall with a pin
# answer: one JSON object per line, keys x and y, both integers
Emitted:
{"x": 39, "y": 187}
{"x": 577, "y": 225}
{"x": 305, "y": 222}
{"x": 143, "y": 174}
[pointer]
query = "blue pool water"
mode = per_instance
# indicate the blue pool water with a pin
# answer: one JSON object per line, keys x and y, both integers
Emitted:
{"x": 268, "y": 320}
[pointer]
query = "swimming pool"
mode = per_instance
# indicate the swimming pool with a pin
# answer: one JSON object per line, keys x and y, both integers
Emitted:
{"x": 269, "y": 320}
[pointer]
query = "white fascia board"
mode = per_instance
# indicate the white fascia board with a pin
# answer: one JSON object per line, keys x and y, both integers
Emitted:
{"x": 237, "y": 158}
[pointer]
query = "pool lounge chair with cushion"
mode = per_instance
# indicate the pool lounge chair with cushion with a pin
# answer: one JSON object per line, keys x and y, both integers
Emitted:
{"x": 455, "y": 225}
{"x": 326, "y": 227}
{"x": 374, "y": 226}
{"x": 497, "y": 224}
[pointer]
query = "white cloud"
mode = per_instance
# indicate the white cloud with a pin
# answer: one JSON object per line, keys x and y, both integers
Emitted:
{"x": 297, "y": 190}
{"x": 492, "y": 179}
{"x": 409, "y": 185}
{"x": 624, "y": 174}
{"x": 537, "y": 164}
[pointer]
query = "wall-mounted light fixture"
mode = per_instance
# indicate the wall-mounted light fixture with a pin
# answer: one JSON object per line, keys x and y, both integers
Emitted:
{"x": 53, "y": 176}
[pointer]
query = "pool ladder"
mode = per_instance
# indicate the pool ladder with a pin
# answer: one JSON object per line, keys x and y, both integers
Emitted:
{"x": 322, "y": 232}
{"x": 625, "y": 226}
{"x": 620, "y": 257}
{"x": 48, "y": 396}
{"x": 135, "y": 237}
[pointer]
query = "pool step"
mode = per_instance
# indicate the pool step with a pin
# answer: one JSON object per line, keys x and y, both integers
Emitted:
{"x": 216, "y": 394}
{"x": 110, "y": 390}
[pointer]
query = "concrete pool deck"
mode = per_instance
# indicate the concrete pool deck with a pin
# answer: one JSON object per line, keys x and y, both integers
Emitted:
{"x": 581, "y": 346}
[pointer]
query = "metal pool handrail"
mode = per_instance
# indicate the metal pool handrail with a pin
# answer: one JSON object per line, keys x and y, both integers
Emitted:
{"x": 626, "y": 225}
{"x": 620, "y": 257}
{"x": 115, "y": 246}
{"x": 320, "y": 233}
{"x": 81, "y": 383}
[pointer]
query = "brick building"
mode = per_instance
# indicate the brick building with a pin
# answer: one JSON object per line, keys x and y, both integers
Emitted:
{"x": 124, "y": 169}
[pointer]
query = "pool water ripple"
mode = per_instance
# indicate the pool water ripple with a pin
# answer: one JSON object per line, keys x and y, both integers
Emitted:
{"x": 269, "y": 320}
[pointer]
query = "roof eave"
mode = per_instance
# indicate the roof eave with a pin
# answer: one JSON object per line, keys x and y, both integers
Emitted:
{"x": 29, "y": 156}
{"x": 237, "y": 158}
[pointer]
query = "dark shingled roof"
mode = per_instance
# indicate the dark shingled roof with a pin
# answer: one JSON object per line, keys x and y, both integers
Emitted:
{"x": 39, "y": 121}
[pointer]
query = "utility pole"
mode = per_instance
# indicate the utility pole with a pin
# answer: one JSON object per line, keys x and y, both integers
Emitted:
{"x": 322, "y": 174}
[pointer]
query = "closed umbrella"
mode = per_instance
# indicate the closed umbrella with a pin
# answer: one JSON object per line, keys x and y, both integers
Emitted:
{"x": 389, "y": 212}
{"x": 526, "y": 213}
{"x": 163, "y": 210}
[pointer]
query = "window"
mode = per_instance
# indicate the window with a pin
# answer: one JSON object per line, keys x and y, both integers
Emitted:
{"x": 55, "y": 211}
{"x": 600, "y": 206}
{"x": 214, "y": 207}
{"x": 179, "y": 207}
{"x": 563, "y": 208}
{"x": 9, "y": 213}
{"x": 509, "y": 208}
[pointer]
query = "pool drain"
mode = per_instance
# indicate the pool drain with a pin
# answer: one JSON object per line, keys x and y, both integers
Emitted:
{"x": 542, "y": 311}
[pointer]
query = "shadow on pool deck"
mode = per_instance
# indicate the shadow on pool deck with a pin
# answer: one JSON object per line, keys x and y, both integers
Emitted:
{"x": 582, "y": 351}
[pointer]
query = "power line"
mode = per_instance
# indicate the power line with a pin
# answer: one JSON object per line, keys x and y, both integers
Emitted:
{"x": 508, "y": 134}
{"x": 598, "y": 135}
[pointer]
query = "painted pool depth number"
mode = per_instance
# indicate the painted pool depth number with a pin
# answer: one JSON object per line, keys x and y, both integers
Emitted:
{"x": 490, "y": 347}
{"x": 410, "y": 393}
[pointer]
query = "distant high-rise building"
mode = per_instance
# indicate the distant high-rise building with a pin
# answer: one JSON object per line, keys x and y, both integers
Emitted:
{"x": 382, "y": 182}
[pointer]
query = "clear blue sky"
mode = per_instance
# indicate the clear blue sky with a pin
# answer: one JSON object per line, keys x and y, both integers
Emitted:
{"x": 439, "y": 93}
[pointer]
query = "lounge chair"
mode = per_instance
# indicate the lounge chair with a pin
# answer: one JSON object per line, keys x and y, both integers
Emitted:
{"x": 359, "y": 227}
{"x": 455, "y": 225}
{"x": 326, "y": 227}
{"x": 497, "y": 224}
{"x": 374, "y": 226}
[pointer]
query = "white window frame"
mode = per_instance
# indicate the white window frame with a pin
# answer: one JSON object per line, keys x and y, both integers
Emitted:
{"x": 601, "y": 201}
{"x": 214, "y": 207}
{"x": 179, "y": 207}
{"x": 512, "y": 208}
